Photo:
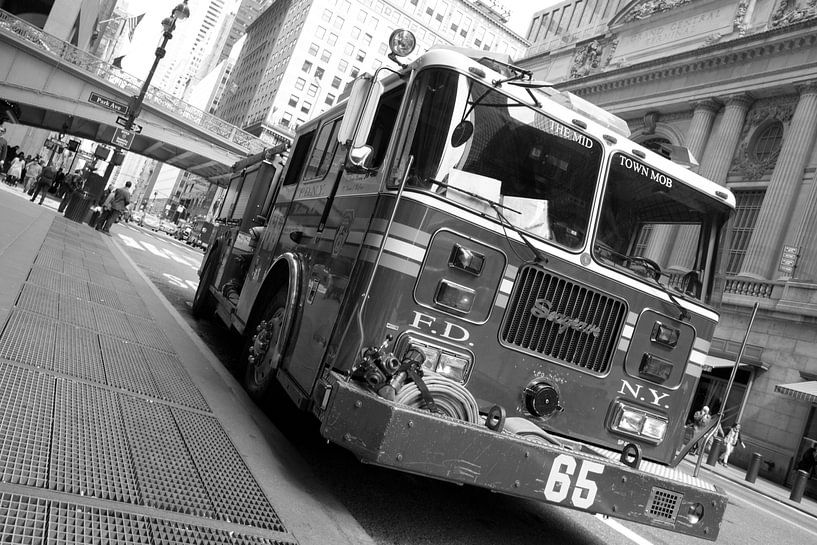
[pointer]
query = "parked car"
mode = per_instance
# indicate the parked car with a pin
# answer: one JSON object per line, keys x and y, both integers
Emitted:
{"x": 168, "y": 227}
{"x": 151, "y": 222}
{"x": 136, "y": 216}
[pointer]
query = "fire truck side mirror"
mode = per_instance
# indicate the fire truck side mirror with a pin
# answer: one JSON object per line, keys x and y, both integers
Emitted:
{"x": 365, "y": 91}
{"x": 358, "y": 158}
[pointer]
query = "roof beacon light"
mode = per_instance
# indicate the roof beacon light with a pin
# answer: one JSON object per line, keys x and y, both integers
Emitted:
{"x": 402, "y": 42}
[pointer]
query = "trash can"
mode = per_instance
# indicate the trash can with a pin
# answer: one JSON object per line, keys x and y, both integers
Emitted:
{"x": 78, "y": 207}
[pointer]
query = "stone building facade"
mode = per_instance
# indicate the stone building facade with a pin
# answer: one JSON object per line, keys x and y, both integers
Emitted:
{"x": 736, "y": 84}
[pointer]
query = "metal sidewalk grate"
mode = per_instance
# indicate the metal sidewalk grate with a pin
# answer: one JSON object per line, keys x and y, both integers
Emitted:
{"x": 104, "y": 296}
{"x": 26, "y": 407}
{"x": 28, "y": 338}
{"x": 148, "y": 333}
{"x": 72, "y": 523}
{"x": 49, "y": 259}
{"x": 90, "y": 455}
{"x": 235, "y": 493}
{"x": 134, "y": 305}
{"x": 39, "y": 300}
{"x": 113, "y": 322}
{"x": 22, "y": 519}
{"x": 77, "y": 311}
{"x": 125, "y": 366}
{"x": 46, "y": 278}
{"x": 167, "y": 477}
{"x": 172, "y": 380}
{"x": 75, "y": 271}
{"x": 77, "y": 353}
{"x": 168, "y": 532}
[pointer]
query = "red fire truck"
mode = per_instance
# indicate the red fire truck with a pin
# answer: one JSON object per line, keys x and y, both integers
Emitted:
{"x": 467, "y": 274}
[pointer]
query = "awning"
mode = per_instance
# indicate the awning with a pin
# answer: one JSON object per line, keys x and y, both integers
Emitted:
{"x": 714, "y": 362}
{"x": 804, "y": 391}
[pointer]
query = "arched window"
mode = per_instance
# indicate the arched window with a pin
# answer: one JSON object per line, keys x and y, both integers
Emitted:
{"x": 767, "y": 142}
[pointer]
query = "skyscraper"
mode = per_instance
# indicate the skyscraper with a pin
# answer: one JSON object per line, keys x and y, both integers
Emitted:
{"x": 300, "y": 54}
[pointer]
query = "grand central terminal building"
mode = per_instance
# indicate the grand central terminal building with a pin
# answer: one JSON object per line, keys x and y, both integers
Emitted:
{"x": 736, "y": 84}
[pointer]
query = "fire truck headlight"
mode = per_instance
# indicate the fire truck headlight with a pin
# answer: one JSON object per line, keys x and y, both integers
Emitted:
{"x": 639, "y": 423}
{"x": 402, "y": 42}
{"x": 453, "y": 366}
{"x": 454, "y": 296}
{"x": 450, "y": 363}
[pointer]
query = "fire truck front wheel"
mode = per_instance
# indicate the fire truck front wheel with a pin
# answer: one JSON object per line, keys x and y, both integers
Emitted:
{"x": 264, "y": 346}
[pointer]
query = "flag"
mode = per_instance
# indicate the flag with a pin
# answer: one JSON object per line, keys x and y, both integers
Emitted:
{"x": 131, "y": 23}
{"x": 117, "y": 61}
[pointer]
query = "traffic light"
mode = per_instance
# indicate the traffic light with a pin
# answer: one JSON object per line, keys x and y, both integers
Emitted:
{"x": 117, "y": 158}
{"x": 73, "y": 145}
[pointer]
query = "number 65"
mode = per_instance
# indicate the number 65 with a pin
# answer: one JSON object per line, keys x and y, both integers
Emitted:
{"x": 559, "y": 481}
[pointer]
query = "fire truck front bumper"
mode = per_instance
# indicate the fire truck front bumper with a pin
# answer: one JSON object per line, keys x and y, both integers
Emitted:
{"x": 592, "y": 480}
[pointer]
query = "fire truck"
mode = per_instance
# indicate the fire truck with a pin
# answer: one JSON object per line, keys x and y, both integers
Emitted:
{"x": 467, "y": 274}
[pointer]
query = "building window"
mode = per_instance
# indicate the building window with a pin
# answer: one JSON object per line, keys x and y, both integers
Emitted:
{"x": 319, "y": 72}
{"x": 326, "y": 15}
{"x": 743, "y": 225}
{"x": 326, "y": 55}
{"x": 338, "y": 22}
{"x": 355, "y": 71}
{"x": 330, "y": 99}
{"x": 306, "y": 106}
{"x": 320, "y": 32}
{"x": 343, "y": 65}
{"x": 361, "y": 55}
{"x": 333, "y": 39}
{"x": 766, "y": 145}
{"x": 313, "y": 49}
{"x": 293, "y": 100}
{"x": 286, "y": 119}
{"x": 336, "y": 82}
{"x": 349, "y": 49}
{"x": 307, "y": 66}
{"x": 300, "y": 83}
{"x": 313, "y": 90}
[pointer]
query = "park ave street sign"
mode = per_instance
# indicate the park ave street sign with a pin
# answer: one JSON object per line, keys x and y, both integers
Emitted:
{"x": 108, "y": 103}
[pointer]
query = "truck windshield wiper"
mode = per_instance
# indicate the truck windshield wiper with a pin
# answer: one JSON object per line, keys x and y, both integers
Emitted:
{"x": 505, "y": 222}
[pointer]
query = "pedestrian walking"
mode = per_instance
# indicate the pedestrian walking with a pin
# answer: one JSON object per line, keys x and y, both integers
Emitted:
{"x": 4, "y": 146}
{"x": 113, "y": 207}
{"x": 15, "y": 172}
{"x": 700, "y": 420}
{"x": 808, "y": 462}
{"x": 32, "y": 173}
{"x": 732, "y": 439}
{"x": 73, "y": 183}
{"x": 44, "y": 183}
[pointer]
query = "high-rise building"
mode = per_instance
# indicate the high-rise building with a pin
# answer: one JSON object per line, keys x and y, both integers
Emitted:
{"x": 300, "y": 54}
{"x": 246, "y": 12}
{"x": 735, "y": 84}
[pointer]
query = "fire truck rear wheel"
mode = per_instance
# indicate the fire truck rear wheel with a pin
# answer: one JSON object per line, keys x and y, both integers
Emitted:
{"x": 203, "y": 302}
{"x": 264, "y": 346}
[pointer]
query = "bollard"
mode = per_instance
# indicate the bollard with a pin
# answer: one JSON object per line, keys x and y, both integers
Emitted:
{"x": 799, "y": 486}
{"x": 714, "y": 452}
{"x": 754, "y": 467}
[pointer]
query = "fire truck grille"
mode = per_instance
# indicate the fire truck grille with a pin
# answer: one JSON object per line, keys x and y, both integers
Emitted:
{"x": 664, "y": 503}
{"x": 551, "y": 316}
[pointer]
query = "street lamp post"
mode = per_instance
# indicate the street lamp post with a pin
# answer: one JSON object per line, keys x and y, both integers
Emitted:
{"x": 181, "y": 11}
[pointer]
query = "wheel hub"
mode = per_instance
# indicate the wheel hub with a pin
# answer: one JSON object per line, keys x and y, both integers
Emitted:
{"x": 263, "y": 354}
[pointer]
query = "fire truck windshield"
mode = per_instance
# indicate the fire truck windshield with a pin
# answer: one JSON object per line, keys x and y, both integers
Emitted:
{"x": 464, "y": 134}
{"x": 656, "y": 227}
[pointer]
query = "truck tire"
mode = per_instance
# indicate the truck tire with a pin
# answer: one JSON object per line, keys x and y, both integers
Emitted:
{"x": 203, "y": 302}
{"x": 264, "y": 346}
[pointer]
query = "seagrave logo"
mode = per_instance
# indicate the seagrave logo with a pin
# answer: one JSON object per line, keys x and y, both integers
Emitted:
{"x": 541, "y": 309}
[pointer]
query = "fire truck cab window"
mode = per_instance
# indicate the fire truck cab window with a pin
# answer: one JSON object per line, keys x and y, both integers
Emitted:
{"x": 655, "y": 227}
{"x": 383, "y": 126}
{"x": 326, "y": 145}
{"x": 465, "y": 135}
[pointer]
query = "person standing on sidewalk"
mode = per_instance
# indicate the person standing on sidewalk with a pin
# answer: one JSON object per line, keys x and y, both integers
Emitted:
{"x": 114, "y": 205}
{"x": 808, "y": 462}
{"x": 32, "y": 173}
{"x": 730, "y": 442}
{"x": 44, "y": 183}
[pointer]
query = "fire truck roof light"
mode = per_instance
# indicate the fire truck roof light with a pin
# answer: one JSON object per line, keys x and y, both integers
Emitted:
{"x": 402, "y": 42}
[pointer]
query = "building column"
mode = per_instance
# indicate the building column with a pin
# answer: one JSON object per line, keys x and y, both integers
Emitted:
{"x": 663, "y": 238}
{"x": 714, "y": 165}
{"x": 764, "y": 247}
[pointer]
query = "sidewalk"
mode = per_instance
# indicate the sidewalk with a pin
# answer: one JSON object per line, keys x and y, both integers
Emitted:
{"x": 117, "y": 424}
{"x": 764, "y": 487}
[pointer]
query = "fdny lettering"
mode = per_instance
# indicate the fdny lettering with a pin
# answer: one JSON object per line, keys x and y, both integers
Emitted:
{"x": 635, "y": 393}
{"x": 541, "y": 309}
{"x": 450, "y": 331}
{"x": 645, "y": 171}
